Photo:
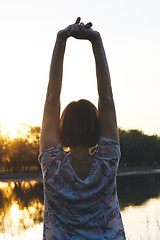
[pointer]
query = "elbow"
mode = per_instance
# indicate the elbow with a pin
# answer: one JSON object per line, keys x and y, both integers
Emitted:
{"x": 108, "y": 99}
{"x": 107, "y": 102}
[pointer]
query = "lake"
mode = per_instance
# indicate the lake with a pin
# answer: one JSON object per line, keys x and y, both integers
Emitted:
{"x": 21, "y": 208}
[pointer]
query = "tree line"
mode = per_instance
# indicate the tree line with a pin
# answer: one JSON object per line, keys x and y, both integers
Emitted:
{"x": 21, "y": 153}
{"x": 138, "y": 148}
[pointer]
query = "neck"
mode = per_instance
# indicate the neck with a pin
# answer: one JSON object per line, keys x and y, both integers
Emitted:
{"x": 79, "y": 152}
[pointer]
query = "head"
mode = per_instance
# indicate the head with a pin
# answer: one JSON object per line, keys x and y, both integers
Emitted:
{"x": 79, "y": 124}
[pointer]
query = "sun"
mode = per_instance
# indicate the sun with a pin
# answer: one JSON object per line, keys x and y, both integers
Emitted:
{"x": 9, "y": 128}
{"x": 15, "y": 213}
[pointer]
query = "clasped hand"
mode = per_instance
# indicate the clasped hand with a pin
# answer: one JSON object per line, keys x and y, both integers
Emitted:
{"x": 79, "y": 31}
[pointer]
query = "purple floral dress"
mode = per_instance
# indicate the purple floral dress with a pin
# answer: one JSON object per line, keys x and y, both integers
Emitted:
{"x": 77, "y": 209}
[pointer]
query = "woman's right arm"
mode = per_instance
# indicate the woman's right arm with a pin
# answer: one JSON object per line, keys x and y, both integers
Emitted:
{"x": 106, "y": 106}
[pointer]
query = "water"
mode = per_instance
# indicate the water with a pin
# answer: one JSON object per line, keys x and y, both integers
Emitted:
{"x": 21, "y": 208}
{"x": 139, "y": 198}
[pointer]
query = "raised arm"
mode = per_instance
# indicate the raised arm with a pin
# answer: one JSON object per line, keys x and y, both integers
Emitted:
{"x": 51, "y": 114}
{"x": 50, "y": 122}
{"x": 106, "y": 107}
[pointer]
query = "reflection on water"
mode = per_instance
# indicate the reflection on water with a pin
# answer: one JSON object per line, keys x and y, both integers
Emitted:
{"x": 143, "y": 222}
{"x": 136, "y": 190}
{"x": 139, "y": 198}
{"x": 21, "y": 208}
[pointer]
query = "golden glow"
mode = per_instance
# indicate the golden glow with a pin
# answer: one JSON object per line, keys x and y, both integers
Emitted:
{"x": 18, "y": 222}
{"x": 15, "y": 213}
{"x": 14, "y": 129}
{"x": 10, "y": 128}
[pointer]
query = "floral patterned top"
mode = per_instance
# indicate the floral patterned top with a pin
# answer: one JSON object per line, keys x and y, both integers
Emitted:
{"x": 77, "y": 209}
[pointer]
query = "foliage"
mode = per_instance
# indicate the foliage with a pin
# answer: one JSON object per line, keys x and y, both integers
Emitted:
{"x": 21, "y": 153}
{"x": 138, "y": 148}
{"x": 3, "y": 147}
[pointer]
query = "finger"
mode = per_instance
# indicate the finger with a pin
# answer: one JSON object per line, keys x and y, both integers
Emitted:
{"x": 78, "y": 20}
{"x": 81, "y": 27}
{"x": 88, "y": 25}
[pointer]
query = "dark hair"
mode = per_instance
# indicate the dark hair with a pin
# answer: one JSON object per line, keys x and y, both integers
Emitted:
{"x": 79, "y": 124}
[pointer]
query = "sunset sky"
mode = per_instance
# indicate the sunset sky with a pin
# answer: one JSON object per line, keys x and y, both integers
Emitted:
{"x": 130, "y": 30}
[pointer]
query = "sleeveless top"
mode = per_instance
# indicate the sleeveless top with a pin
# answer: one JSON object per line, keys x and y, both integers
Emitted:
{"x": 76, "y": 209}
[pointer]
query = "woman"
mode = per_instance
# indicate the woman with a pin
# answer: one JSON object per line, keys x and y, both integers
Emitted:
{"x": 80, "y": 188}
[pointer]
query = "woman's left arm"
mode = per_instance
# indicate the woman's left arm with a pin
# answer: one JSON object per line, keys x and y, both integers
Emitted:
{"x": 51, "y": 114}
{"x": 50, "y": 135}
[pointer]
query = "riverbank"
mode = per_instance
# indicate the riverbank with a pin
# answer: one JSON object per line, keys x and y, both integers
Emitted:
{"x": 139, "y": 170}
{"x": 19, "y": 177}
{"x": 37, "y": 176}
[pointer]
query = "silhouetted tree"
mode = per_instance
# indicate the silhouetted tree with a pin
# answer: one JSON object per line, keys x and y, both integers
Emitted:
{"x": 33, "y": 137}
{"x": 20, "y": 154}
{"x": 23, "y": 152}
{"x": 138, "y": 148}
{"x": 4, "y": 148}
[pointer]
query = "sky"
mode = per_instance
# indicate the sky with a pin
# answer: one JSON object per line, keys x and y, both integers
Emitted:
{"x": 131, "y": 35}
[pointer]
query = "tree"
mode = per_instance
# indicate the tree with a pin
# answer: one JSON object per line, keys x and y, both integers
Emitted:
{"x": 20, "y": 155}
{"x": 33, "y": 137}
{"x": 4, "y": 147}
{"x": 138, "y": 148}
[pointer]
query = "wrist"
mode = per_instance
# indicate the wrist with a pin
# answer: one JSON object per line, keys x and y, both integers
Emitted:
{"x": 97, "y": 40}
{"x": 62, "y": 35}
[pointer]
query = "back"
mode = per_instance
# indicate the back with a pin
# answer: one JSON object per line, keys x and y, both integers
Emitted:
{"x": 82, "y": 209}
